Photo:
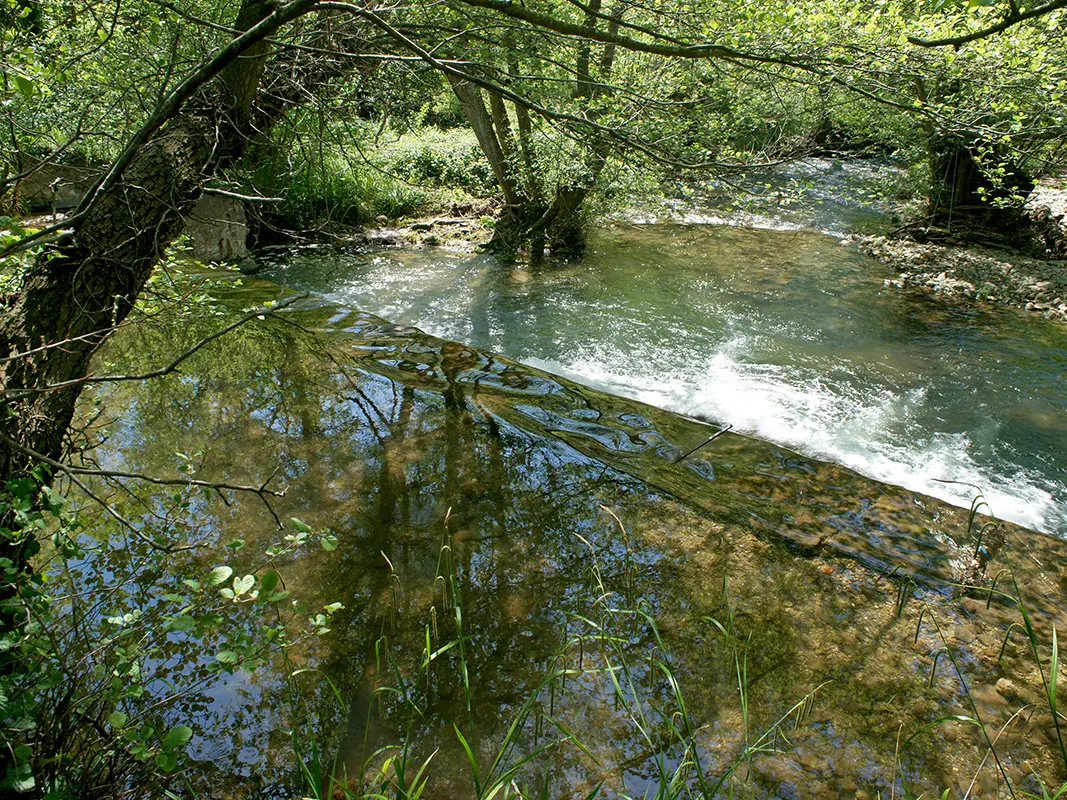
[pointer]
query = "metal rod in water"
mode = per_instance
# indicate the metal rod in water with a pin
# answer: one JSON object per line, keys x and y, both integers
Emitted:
{"x": 706, "y": 442}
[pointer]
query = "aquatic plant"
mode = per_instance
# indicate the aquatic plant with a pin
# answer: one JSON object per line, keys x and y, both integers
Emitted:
{"x": 644, "y": 688}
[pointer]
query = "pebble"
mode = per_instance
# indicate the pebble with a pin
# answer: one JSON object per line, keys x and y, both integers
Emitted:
{"x": 1007, "y": 689}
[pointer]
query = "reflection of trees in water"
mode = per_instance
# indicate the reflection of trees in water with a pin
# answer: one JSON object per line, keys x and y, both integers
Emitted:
{"x": 381, "y": 438}
{"x": 381, "y": 463}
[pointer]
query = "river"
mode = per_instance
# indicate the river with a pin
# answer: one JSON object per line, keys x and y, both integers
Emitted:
{"x": 788, "y": 335}
{"x": 577, "y": 583}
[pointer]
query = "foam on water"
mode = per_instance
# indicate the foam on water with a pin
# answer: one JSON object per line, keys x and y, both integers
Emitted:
{"x": 869, "y": 430}
{"x": 791, "y": 338}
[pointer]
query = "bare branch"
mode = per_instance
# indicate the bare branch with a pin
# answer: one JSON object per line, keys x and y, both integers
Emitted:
{"x": 248, "y": 198}
{"x": 262, "y": 491}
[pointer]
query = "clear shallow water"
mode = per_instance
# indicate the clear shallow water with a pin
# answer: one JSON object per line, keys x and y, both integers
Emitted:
{"x": 787, "y": 335}
{"x": 406, "y": 447}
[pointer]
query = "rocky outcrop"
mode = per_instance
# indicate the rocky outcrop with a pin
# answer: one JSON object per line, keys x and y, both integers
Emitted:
{"x": 1047, "y": 209}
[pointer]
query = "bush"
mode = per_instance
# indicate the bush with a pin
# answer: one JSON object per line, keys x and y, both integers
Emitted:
{"x": 440, "y": 158}
{"x": 340, "y": 194}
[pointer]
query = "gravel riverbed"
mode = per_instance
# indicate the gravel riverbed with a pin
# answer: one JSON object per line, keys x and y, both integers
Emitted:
{"x": 1038, "y": 286}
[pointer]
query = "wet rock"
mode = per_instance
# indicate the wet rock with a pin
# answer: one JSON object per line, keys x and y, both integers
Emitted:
{"x": 1007, "y": 689}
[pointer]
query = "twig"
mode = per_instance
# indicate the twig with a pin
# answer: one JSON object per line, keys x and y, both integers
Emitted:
{"x": 707, "y": 441}
{"x": 248, "y": 198}
{"x": 68, "y": 469}
{"x": 157, "y": 373}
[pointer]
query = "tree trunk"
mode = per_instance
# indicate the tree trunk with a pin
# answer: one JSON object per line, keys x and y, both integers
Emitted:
{"x": 963, "y": 195}
{"x": 78, "y": 290}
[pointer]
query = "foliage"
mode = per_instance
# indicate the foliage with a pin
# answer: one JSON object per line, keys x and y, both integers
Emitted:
{"x": 109, "y": 652}
{"x": 438, "y": 158}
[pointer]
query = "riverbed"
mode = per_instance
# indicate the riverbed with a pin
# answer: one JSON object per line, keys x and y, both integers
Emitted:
{"x": 581, "y": 584}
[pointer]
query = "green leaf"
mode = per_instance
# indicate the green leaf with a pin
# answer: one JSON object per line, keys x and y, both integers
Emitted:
{"x": 328, "y": 542}
{"x": 177, "y": 737}
{"x": 180, "y": 623}
{"x": 269, "y": 582}
{"x": 226, "y": 657}
{"x": 24, "y": 85}
{"x": 300, "y": 525}
{"x": 1054, "y": 677}
{"x": 242, "y": 585}
{"x": 117, "y": 719}
{"x": 218, "y": 575}
{"x": 167, "y": 762}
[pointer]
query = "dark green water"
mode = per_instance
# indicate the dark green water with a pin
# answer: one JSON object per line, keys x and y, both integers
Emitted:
{"x": 407, "y": 447}
{"x": 788, "y": 335}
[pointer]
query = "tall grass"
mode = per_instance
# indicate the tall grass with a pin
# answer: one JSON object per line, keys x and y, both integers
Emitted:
{"x": 647, "y": 692}
{"x": 1034, "y": 644}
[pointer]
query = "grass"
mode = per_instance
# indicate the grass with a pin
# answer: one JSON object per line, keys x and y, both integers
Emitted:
{"x": 1049, "y": 680}
{"x": 598, "y": 654}
{"x": 646, "y": 691}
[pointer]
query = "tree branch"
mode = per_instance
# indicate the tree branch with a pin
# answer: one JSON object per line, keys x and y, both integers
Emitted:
{"x": 156, "y": 373}
{"x": 1013, "y": 17}
{"x": 262, "y": 491}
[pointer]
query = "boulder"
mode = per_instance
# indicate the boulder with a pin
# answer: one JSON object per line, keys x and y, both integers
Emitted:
{"x": 218, "y": 228}
{"x": 1046, "y": 206}
{"x": 58, "y": 186}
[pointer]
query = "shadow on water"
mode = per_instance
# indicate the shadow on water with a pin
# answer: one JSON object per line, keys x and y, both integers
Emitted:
{"x": 401, "y": 443}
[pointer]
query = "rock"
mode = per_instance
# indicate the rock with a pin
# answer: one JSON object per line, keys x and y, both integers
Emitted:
{"x": 219, "y": 229}
{"x": 58, "y": 185}
{"x": 1006, "y": 689}
{"x": 1047, "y": 208}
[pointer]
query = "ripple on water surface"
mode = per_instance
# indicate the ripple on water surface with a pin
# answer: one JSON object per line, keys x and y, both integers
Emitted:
{"x": 788, "y": 335}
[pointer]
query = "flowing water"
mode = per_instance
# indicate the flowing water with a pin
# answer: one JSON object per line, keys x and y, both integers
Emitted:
{"x": 788, "y": 335}
{"x": 532, "y": 563}
{"x": 537, "y": 565}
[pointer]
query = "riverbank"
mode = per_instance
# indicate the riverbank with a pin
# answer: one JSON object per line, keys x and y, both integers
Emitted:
{"x": 974, "y": 273}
